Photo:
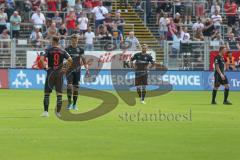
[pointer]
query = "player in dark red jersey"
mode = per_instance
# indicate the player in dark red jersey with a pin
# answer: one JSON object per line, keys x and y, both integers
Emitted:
{"x": 74, "y": 73}
{"x": 55, "y": 71}
{"x": 141, "y": 67}
{"x": 219, "y": 77}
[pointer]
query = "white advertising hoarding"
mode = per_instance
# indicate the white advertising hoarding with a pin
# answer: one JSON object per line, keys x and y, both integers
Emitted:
{"x": 97, "y": 59}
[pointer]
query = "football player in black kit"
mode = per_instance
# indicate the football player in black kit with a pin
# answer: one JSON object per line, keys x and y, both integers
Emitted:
{"x": 141, "y": 67}
{"x": 74, "y": 73}
{"x": 55, "y": 71}
{"x": 219, "y": 77}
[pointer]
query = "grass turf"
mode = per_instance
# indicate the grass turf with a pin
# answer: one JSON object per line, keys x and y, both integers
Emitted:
{"x": 212, "y": 133}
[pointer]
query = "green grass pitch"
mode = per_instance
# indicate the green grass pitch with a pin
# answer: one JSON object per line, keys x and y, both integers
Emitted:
{"x": 212, "y": 133}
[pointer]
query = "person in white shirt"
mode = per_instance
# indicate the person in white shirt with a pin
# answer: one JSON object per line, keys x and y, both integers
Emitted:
{"x": 217, "y": 20}
{"x": 185, "y": 36}
{"x": 38, "y": 19}
{"x": 133, "y": 42}
{"x": 89, "y": 38}
{"x": 198, "y": 25}
{"x": 163, "y": 28}
{"x": 83, "y": 23}
{"x": 100, "y": 12}
{"x": 36, "y": 38}
{"x": 215, "y": 7}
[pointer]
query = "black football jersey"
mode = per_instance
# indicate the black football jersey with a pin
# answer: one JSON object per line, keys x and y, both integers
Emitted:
{"x": 221, "y": 63}
{"x": 76, "y": 54}
{"x": 55, "y": 56}
{"x": 142, "y": 61}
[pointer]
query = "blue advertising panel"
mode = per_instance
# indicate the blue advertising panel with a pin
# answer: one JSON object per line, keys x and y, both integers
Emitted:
{"x": 233, "y": 79}
{"x": 26, "y": 79}
{"x": 124, "y": 79}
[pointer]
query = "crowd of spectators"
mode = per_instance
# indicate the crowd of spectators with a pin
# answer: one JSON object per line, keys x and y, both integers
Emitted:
{"x": 186, "y": 20}
{"x": 64, "y": 18}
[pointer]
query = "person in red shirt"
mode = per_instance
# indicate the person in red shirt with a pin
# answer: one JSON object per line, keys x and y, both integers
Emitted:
{"x": 52, "y": 7}
{"x": 71, "y": 22}
{"x": 230, "y": 8}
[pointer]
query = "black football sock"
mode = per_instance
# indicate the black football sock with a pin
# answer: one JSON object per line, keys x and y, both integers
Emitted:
{"x": 69, "y": 96}
{"x": 214, "y": 94}
{"x": 139, "y": 92}
{"x": 226, "y": 93}
{"x": 59, "y": 103}
{"x": 143, "y": 93}
{"x": 46, "y": 102}
{"x": 75, "y": 97}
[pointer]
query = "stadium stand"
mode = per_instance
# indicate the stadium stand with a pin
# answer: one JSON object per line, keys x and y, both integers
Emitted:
{"x": 194, "y": 20}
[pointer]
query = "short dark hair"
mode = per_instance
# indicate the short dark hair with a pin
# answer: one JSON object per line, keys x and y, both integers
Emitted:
{"x": 55, "y": 39}
{"x": 221, "y": 48}
{"x": 74, "y": 36}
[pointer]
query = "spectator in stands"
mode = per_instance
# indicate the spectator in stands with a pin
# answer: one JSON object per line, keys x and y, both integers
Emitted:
{"x": 231, "y": 11}
{"x": 27, "y": 7}
{"x": 52, "y": 31}
{"x": 83, "y": 23}
{"x": 108, "y": 5}
{"x": 57, "y": 19}
{"x": 177, "y": 20}
{"x": 161, "y": 7}
{"x": 198, "y": 25}
{"x": 217, "y": 21}
{"x": 51, "y": 7}
{"x": 38, "y": 19}
{"x": 88, "y": 4}
{"x": 100, "y": 12}
{"x": 71, "y": 22}
{"x": 89, "y": 39}
{"x": 230, "y": 62}
{"x": 15, "y": 22}
{"x": 171, "y": 26}
{"x": 125, "y": 4}
{"x": 117, "y": 36}
{"x": 185, "y": 36}
{"x": 3, "y": 20}
{"x": 231, "y": 37}
{"x": 177, "y": 6}
{"x": 148, "y": 10}
{"x": 188, "y": 4}
{"x": 64, "y": 5}
{"x": 133, "y": 42}
{"x": 199, "y": 8}
{"x": 108, "y": 22}
{"x": 215, "y": 7}
{"x": 35, "y": 4}
{"x": 2, "y": 3}
{"x": 71, "y": 3}
{"x": 208, "y": 29}
{"x": 119, "y": 21}
{"x": 10, "y": 7}
{"x": 78, "y": 6}
{"x": 5, "y": 35}
{"x": 176, "y": 41}
{"x": 217, "y": 41}
{"x": 163, "y": 28}
{"x": 198, "y": 35}
{"x": 36, "y": 38}
{"x": 62, "y": 33}
{"x": 104, "y": 35}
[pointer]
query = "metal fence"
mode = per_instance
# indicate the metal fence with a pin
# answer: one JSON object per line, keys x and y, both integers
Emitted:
{"x": 192, "y": 55}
